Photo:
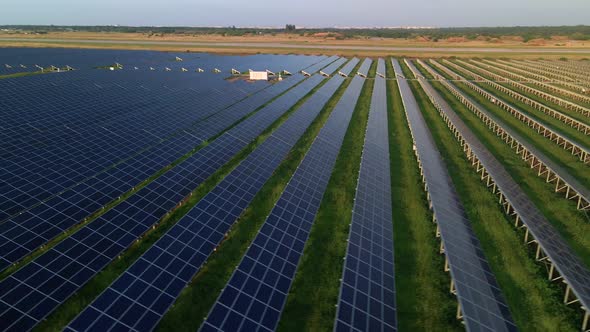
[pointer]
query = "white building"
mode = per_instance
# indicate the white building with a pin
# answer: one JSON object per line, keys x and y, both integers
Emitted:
{"x": 259, "y": 75}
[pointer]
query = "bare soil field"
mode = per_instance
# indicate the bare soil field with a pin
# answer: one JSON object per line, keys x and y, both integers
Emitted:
{"x": 325, "y": 43}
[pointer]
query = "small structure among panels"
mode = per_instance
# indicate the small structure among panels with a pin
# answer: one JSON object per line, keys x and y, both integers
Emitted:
{"x": 258, "y": 75}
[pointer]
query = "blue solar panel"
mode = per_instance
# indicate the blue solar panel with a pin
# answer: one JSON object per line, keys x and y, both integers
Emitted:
{"x": 365, "y": 66}
{"x": 329, "y": 70}
{"x": 316, "y": 67}
{"x": 203, "y": 228}
{"x": 255, "y": 295}
{"x": 367, "y": 293}
{"x": 97, "y": 243}
{"x": 34, "y": 227}
{"x": 381, "y": 68}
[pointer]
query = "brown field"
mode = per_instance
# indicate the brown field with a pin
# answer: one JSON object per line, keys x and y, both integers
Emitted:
{"x": 434, "y": 49}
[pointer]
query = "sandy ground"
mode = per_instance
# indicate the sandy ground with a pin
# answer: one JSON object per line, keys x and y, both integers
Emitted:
{"x": 293, "y": 43}
{"x": 321, "y": 38}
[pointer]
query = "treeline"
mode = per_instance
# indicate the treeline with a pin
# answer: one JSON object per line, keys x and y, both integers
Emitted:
{"x": 581, "y": 32}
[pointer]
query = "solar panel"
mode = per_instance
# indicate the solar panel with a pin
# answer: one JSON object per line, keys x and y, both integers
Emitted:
{"x": 364, "y": 68}
{"x": 255, "y": 295}
{"x": 75, "y": 260}
{"x": 88, "y": 196}
{"x": 381, "y": 68}
{"x": 316, "y": 67}
{"x": 47, "y": 151}
{"x": 196, "y": 235}
{"x": 557, "y": 136}
{"x": 329, "y": 70}
{"x": 480, "y": 299}
{"x": 52, "y": 140}
{"x": 34, "y": 227}
{"x": 87, "y": 60}
{"x": 547, "y": 168}
{"x": 367, "y": 290}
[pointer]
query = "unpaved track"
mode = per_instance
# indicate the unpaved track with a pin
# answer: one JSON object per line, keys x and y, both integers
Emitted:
{"x": 303, "y": 46}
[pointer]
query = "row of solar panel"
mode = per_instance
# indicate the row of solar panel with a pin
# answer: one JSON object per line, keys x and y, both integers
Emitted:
{"x": 480, "y": 299}
{"x": 367, "y": 292}
{"x": 116, "y": 229}
{"x": 202, "y": 229}
{"x": 364, "y": 68}
{"x": 256, "y": 293}
{"x": 26, "y": 91}
{"x": 139, "y": 119}
{"x": 27, "y": 231}
{"x": 89, "y": 59}
{"x": 70, "y": 207}
{"x": 566, "y": 262}
{"x": 381, "y": 71}
{"x": 35, "y": 170}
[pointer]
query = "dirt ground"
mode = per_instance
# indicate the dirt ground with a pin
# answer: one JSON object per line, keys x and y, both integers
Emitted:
{"x": 319, "y": 38}
{"x": 435, "y": 49}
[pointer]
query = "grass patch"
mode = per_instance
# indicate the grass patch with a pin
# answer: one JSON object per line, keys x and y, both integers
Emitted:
{"x": 424, "y": 302}
{"x": 23, "y": 74}
{"x": 523, "y": 282}
{"x": 311, "y": 300}
{"x": 197, "y": 299}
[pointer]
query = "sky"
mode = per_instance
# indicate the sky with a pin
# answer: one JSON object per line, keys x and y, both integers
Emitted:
{"x": 309, "y": 13}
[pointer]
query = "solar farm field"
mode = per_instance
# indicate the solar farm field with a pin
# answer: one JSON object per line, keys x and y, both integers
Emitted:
{"x": 155, "y": 191}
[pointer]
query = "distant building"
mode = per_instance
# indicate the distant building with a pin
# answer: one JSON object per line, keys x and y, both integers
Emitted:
{"x": 259, "y": 75}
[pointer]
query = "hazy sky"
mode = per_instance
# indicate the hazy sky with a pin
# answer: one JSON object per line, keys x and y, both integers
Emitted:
{"x": 320, "y": 13}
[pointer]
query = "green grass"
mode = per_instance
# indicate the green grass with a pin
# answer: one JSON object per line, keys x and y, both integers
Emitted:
{"x": 424, "y": 302}
{"x": 314, "y": 293}
{"x": 196, "y": 300}
{"x": 23, "y": 74}
{"x": 572, "y": 224}
{"x": 524, "y": 283}
{"x": 72, "y": 306}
